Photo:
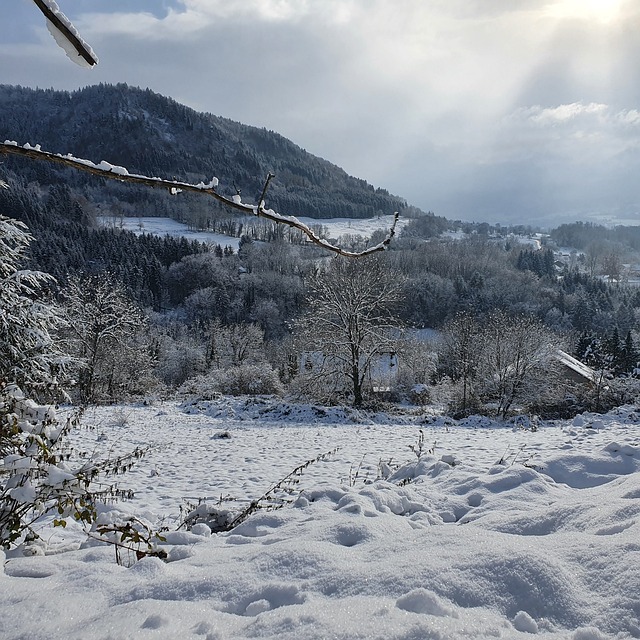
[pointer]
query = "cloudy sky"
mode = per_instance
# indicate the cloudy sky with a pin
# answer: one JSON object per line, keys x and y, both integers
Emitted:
{"x": 500, "y": 110}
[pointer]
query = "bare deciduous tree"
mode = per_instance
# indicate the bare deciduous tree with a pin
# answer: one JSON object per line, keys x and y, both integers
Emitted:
{"x": 611, "y": 266}
{"x": 460, "y": 354}
{"x": 234, "y": 345}
{"x": 517, "y": 358}
{"x": 500, "y": 361}
{"x": 102, "y": 325}
{"x": 350, "y": 320}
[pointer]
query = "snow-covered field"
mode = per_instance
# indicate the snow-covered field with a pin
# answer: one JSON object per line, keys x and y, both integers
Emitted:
{"x": 167, "y": 226}
{"x": 495, "y": 531}
{"x": 364, "y": 227}
{"x": 336, "y": 227}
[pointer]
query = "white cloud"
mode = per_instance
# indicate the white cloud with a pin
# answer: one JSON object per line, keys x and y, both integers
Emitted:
{"x": 418, "y": 97}
{"x": 566, "y": 112}
{"x": 197, "y": 16}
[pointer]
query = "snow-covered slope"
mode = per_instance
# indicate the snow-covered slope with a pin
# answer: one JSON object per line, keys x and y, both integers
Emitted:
{"x": 168, "y": 227}
{"x": 335, "y": 227}
{"x": 494, "y": 531}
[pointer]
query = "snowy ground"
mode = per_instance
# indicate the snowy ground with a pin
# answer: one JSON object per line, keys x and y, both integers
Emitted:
{"x": 495, "y": 532}
{"x": 167, "y": 226}
{"x": 336, "y": 227}
{"x": 364, "y": 227}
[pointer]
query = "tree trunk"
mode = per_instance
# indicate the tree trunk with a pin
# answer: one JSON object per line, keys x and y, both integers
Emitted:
{"x": 357, "y": 386}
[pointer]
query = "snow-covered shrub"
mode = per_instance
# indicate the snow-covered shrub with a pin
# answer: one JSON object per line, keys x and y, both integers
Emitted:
{"x": 200, "y": 387}
{"x": 246, "y": 379}
{"x": 215, "y": 516}
{"x": 218, "y": 518}
{"x": 132, "y": 538}
{"x": 419, "y": 394}
{"x": 316, "y": 385}
{"x": 178, "y": 360}
{"x": 607, "y": 393}
{"x": 38, "y": 472}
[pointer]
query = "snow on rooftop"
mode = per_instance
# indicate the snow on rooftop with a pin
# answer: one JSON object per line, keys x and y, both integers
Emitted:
{"x": 575, "y": 365}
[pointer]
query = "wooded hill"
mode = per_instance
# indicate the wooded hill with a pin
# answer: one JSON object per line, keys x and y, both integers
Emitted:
{"x": 154, "y": 135}
{"x": 202, "y": 302}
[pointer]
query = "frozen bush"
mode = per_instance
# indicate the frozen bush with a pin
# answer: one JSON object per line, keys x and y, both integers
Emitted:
{"x": 247, "y": 379}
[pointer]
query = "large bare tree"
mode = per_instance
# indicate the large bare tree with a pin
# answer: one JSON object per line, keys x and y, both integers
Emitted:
{"x": 350, "y": 320}
{"x": 500, "y": 360}
{"x": 517, "y": 359}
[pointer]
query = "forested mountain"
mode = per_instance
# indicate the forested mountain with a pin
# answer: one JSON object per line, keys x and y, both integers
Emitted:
{"x": 154, "y": 135}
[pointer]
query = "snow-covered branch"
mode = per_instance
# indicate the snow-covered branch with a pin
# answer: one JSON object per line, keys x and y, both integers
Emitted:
{"x": 66, "y": 35}
{"x": 113, "y": 172}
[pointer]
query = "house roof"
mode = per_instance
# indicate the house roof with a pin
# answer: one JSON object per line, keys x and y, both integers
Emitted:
{"x": 576, "y": 366}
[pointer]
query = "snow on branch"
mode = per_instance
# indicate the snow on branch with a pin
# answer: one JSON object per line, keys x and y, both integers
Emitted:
{"x": 66, "y": 35}
{"x": 114, "y": 172}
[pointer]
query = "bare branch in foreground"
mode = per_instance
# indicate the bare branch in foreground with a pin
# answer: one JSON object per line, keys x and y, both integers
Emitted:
{"x": 66, "y": 35}
{"x": 113, "y": 172}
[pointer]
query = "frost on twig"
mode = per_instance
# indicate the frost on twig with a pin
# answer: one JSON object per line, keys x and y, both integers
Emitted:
{"x": 66, "y": 35}
{"x": 114, "y": 172}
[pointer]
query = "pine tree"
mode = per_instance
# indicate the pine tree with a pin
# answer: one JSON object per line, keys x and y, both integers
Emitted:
{"x": 629, "y": 356}
{"x": 28, "y": 357}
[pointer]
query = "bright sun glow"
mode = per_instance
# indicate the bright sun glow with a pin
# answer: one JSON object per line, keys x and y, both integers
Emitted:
{"x": 600, "y": 10}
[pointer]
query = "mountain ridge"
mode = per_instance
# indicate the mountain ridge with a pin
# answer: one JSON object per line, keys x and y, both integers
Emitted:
{"x": 156, "y": 135}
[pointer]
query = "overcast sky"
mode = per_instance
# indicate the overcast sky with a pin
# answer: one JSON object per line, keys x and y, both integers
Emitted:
{"x": 517, "y": 111}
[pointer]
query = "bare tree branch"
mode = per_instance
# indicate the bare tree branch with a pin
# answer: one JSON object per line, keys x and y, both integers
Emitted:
{"x": 106, "y": 170}
{"x": 60, "y": 22}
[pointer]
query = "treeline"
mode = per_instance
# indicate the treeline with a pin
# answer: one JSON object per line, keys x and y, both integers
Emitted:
{"x": 582, "y": 235}
{"x": 68, "y": 242}
{"x": 208, "y": 318}
{"x": 264, "y": 282}
{"x": 140, "y": 316}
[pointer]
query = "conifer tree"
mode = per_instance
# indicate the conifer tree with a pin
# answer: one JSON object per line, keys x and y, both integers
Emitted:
{"x": 629, "y": 356}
